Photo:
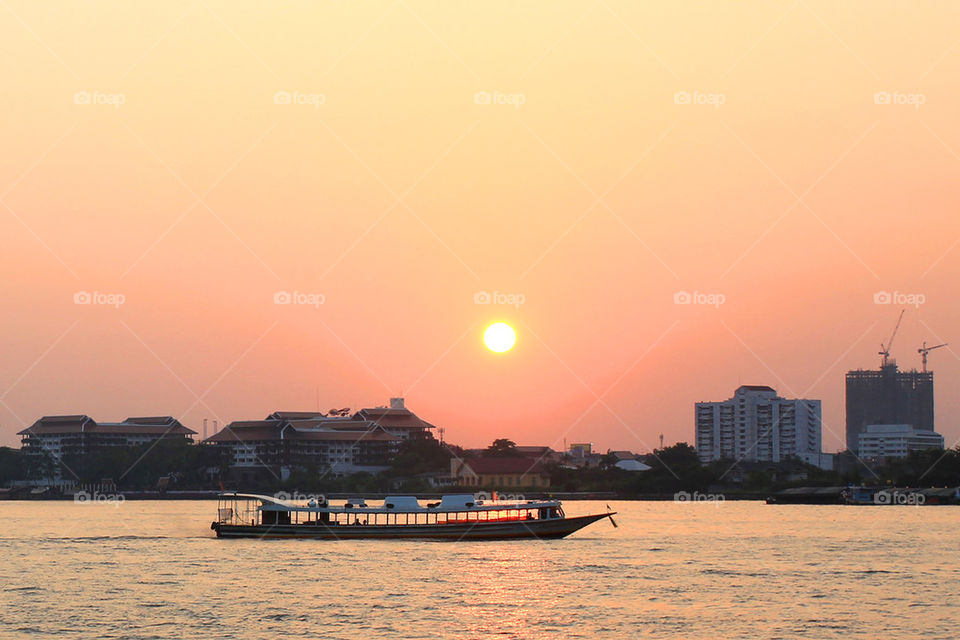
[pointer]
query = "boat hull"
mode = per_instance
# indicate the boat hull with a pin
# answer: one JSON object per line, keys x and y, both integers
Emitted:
{"x": 539, "y": 529}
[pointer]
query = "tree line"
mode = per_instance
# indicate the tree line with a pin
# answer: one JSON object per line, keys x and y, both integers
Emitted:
{"x": 675, "y": 468}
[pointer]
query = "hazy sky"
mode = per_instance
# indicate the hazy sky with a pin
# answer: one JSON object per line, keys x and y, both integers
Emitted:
{"x": 388, "y": 160}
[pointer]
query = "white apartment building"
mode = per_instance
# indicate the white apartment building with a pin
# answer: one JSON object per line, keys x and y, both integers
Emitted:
{"x": 756, "y": 425}
{"x": 896, "y": 441}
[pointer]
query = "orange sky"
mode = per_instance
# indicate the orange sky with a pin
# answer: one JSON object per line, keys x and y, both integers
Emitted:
{"x": 587, "y": 186}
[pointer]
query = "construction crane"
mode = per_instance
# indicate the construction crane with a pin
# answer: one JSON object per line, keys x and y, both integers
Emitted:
{"x": 885, "y": 350}
{"x": 924, "y": 350}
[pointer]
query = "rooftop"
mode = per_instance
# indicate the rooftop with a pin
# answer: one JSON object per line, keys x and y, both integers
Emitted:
{"x": 393, "y": 418}
{"x": 755, "y": 387}
{"x": 396, "y": 416}
{"x": 154, "y": 425}
{"x": 294, "y": 415}
{"x": 895, "y": 429}
{"x": 503, "y": 465}
{"x": 534, "y": 450}
{"x": 317, "y": 430}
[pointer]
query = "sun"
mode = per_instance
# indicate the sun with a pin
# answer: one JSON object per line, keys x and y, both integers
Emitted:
{"x": 499, "y": 337}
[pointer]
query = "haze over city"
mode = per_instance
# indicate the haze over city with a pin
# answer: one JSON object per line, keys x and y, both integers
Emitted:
{"x": 410, "y": 174}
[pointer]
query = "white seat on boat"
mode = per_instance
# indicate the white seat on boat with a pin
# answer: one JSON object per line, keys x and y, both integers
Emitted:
{"x": 402, "y": 503}
{"x": 456, "y": 501}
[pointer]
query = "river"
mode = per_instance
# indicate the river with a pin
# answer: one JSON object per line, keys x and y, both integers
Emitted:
{"x": 153, "y": 569}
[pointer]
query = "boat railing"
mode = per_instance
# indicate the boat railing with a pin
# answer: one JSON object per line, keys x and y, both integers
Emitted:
{"x": 253, "y": 510}
{"x": 238, "y": 511}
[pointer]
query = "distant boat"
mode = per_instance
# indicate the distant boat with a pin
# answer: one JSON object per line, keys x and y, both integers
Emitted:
{"x": 854, "y": 495}
{"x": 453, "y": 517}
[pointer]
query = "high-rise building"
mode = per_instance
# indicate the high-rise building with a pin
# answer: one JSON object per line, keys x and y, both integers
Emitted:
{"x": 888, "y": 396}
{"x": 757, "y": 425}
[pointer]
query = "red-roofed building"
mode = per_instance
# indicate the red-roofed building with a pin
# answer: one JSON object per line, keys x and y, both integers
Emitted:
{"x": 499, "y": 473}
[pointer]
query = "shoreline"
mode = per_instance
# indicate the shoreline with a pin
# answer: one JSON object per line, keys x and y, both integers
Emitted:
{"x": 213, "y": 494}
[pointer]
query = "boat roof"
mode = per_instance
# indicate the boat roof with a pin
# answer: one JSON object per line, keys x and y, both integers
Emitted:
{"x": 398, "y": 504}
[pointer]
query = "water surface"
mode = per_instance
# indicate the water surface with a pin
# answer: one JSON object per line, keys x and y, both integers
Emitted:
{"x": 153, "y": 569}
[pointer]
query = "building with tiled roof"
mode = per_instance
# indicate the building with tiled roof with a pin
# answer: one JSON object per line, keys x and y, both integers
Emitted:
{"x": 340, "y": 443}
{"x": 397, "y": 419}
{"x": 69, "y": 436}
{"x": 518, "y": 472}
{"x": 295, "y": 415}
{"x": 288, "y": 440}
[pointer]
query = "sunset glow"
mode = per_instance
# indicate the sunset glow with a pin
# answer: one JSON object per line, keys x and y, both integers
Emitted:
{"x": 499, "y": 337}
{"x": 648, "y": 310}
{"x": 386, "y": 162}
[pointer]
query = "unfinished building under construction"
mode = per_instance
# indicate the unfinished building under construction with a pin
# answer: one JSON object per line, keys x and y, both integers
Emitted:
{"x": 888, "y": 396}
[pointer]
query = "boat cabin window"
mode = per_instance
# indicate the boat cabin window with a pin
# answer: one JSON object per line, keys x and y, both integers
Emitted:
{"x": 359, "y": 517}
{"x": 275, "y": 517}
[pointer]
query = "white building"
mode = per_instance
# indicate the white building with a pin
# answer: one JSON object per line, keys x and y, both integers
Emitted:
{"x": 756, "y": 425}
{"x": 896, "y": 441}
{"x": 286, "y": 440}
{"x": 56, "y": 442}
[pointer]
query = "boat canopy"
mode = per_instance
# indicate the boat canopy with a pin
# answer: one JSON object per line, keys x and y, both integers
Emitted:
{"x": 393, "y": 504}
